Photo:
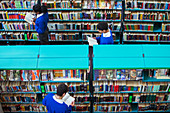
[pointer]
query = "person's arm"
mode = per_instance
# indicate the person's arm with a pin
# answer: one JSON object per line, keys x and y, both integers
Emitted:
{"x": 44, "y": 101}
{"x": 41, "y": 27}
{"x": 70, "y": 108}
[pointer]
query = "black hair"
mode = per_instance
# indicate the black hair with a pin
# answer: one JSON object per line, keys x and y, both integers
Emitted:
{"x": 37, "y": 8}
{"x": 44, "y": 9}
{"x": 61, "y": 89}
{"x": 102, "y": 26}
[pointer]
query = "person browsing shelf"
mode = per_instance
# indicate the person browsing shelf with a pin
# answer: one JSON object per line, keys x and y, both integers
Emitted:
{"x": 55, "y": 102}
{"x": 106, "y": 36}
{"x": 41, "y": 23}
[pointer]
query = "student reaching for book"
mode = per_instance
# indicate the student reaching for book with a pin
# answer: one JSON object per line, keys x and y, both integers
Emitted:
{"x": 106, "y": 36}
{"x": 61, "y": 102}
{"x": 41, "y": 23}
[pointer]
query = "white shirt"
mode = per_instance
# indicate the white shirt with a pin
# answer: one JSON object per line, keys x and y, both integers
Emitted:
{"x": 38, "y": 15}
{"x": 58, "y": 100}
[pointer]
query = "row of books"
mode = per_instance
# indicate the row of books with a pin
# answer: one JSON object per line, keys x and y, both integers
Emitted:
{"x": 143, "y": 27}
{"x": 109, "y": 87}
{"x": 146, "y": 37}
{"x": 102, "y": 4}
{"x": 55, "y": 75}
{"x": 12, "y": 15}
{"x": 112, "y": 108}
{"x": 165, "y": 27}
{"x": 164, "y": 5}
{"x": 105, "y": 15}
{"x": 20, "y": 87}
{"x": 24, "y": 108}
{"x": 133, "y": 98}
{"x": 154, "y": 107}
{"x": 57, "y": 26}
{"x": 63, "y": 36}
{"x": 80, "y": 26}
{"x": 92, "y": 15}
{"x": 62, "y": 4}
{"x": 81, "y": 108}
{"x": 33, "y": 75}
{"x": 118, "y": 74}
{"x": 19, "y": 75}
{"x": 71, "y": 87}
{"x": 18, "y": 98}
{"x": 17, "y": 26}
{"x": 147, "y": 16}
{"x": 19, "y": 4}
{"x": 18, "y": 36}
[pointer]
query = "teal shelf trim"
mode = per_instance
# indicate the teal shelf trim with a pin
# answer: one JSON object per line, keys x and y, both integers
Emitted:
{"x": 139, "y": 41}
{"x": 68, "y": 9}
{"x": 12, "y": 20}
{"x": 21, "y": 20}
{"x": 20, "y": 92}
{"x": 153, "y": 111}
{"x": 64, "y": 30}
{"x": 95, "y": 31}
{"x": 147, "y": 21}
{"x": 16, "y": 9}
{"x": 20, "y": 103}
{"x": 18, "y": 30}
{"x": 116, "y": 112}
{"x": 127, "y": 92}
{"x": 85, "y": 20}
{"x": 62, "y": 81}
{"x": 25, "y": 112}
{"x": 19, "y": 81}
{"x": 73, "y": 92}
{"x": 165, "y": 31}
{"x": 168, "y": 41}
{"x": 147, "y": 10}
{"x": 131, "y": 102}
{"x": 32, "y": 40}
{"x": 155, "y": 80}
{"x": 137, "y": 31}
{"x": 99, "y": 9}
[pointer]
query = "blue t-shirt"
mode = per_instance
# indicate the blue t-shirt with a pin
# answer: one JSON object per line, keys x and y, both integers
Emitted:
{"x": 41, "y": 23}
{"x": 55, "y": 107}
{"x": 106, "y": 38}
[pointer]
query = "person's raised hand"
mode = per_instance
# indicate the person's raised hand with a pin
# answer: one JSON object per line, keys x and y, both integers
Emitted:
{"x": 72, "y": 104}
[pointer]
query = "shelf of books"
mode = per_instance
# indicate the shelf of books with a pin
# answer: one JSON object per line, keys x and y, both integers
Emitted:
{"x": 27, "y": 77}
{"x": 66, "y": 18}
{"x": 120, "y": 84}
{"x": 146, "y": 21}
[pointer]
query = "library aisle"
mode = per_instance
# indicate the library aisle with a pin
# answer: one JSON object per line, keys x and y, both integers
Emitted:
{"x": 130, "y": 76}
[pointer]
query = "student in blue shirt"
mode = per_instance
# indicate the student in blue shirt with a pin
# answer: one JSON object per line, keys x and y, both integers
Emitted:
{"x": 54, "y": 102}
{"x": 41, "y": 23}
{"x": 106, "y": 36}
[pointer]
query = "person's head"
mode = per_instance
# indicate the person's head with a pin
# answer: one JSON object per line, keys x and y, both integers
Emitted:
{"x": 44, "y": 9}
{"x": 102, "y": 27}
{"x": 37, "y": 8}
{"x": 62, "y": 89}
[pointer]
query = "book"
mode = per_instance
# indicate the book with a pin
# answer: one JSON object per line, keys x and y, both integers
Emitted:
{"x": 68, "y": 99}
{"x": 92, "y": 41}
{"x": 29, "y": 18}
